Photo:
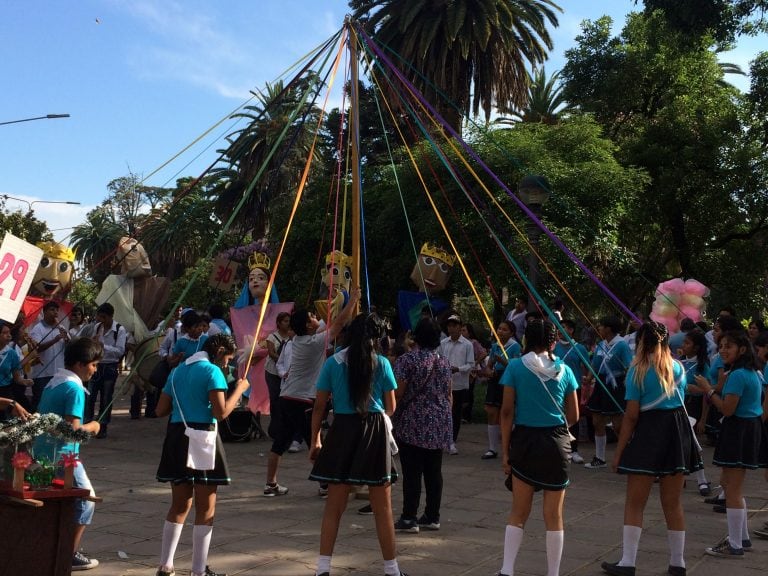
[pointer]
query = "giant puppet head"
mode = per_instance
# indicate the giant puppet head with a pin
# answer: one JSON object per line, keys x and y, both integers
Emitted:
{"x": 336, "y": 274}
{"x": 255, "y": 287}
{"x": 54, "y": 275}
{"x": 336, "y": 280}
{"x": 133, "y": 259}
{"x": 433, "y": 269}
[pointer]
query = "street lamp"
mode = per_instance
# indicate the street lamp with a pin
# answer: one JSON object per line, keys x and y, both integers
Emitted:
{"x": 534, "y": 191}
{"x": 46, "y": 117}
{"x": 29, "y": 204}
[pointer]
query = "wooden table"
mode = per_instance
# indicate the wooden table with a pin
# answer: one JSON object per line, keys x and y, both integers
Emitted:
{"x": 38, "y": 531}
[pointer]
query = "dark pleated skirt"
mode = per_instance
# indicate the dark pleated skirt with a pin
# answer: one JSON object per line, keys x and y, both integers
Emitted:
{"x": 661, "y": 445}
{"x": 606, "y": 400}
{"x": 742, "y": 443}
{"x": 356, "y": 451}
{"x": 173, "y": 462}
{"x": 539, "y": 456}
{"x": 494, "y": 392}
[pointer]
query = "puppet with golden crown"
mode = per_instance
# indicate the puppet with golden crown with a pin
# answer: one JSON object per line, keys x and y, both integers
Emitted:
{"x": 430, "y": 274}
{"x": 53, "y": 281}
{"x": 335, "y": 281}
{"x": 245, "y": 322}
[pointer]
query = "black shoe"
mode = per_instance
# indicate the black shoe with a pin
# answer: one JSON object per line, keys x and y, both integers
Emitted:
{"x": 209, "y": 572}
{"x": 719, "y": 509}
{"x": 365, "y": 511}
{"x": 676, "y": 570}
{"x": 614, "y": 569}
{"x": 135, "y": 416}
{"x": 489, "y": 455}
{"x": 715, "y": 500}
{"x": 150, "y": 415}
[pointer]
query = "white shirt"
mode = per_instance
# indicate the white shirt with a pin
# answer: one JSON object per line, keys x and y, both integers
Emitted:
{"x": 461, "y": 355}
{"x": 52, "y": 358}
{"x": 113, "y": 340}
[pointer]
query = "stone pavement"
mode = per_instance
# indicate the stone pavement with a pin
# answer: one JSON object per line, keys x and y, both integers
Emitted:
{"x": 279, "y": 536}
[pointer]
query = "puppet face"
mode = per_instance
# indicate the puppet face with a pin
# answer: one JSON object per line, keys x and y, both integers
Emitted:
{"x": 133, "y": 258}
{"x": 257, "y": 283}
{"x": 337, "y": 274}
{"x": 54, "y": 275}
{"x": 434, "y": 271}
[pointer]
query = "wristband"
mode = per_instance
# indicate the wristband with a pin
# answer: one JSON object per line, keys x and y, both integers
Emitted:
{"x": 12, "y": 405}
{"x": 711, "y": 393}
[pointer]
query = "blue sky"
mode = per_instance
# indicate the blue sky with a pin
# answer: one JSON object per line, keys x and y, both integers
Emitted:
{"x": 142, "y": 79}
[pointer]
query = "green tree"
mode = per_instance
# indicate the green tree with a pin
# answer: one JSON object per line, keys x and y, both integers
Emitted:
{"x": 24, "y": 226}
{"x": 474, "y": 53}
{"x": 661, "y": 97}
{"x": 263, "y": 149}
{"x": 545, "y": 103}
{"x": 722, "y": 19}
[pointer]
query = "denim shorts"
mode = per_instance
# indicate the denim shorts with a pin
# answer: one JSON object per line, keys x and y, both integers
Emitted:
{"x": 83, "y": 508}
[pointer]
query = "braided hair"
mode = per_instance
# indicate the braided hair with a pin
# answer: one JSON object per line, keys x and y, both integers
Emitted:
{"x": 363, "y": 335}
{"x": 699, "y": 341}
{"x": 540, "y": 336}
{"x": 653, "y": 352}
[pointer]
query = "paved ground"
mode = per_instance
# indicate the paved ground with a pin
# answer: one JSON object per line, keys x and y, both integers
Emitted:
{"x": 279, "y": 536}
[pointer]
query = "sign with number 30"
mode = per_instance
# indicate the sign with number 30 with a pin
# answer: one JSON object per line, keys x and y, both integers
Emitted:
{"x": 18, "y": 263}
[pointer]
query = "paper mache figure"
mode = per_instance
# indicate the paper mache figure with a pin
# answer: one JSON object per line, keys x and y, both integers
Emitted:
{"x": 430, "y": 274}
{"x": 137, "y": 296}
{"x": 245, "y": 315}
{"x": 52, "y": 281}
{"x": 335, "y": 282}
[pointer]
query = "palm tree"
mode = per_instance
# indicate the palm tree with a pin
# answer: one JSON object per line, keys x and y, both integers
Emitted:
{"x": 95, "y": 242}
{"x": 545, "y": 101}
{"x": 474, "y": 52}
{"x": 262, "y": 147}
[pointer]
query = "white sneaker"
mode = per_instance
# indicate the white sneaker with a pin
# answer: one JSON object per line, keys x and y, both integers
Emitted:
{"x": 453, "y": 450}
{"x": 294, "y": 447}
{"x": 577, "y": 458}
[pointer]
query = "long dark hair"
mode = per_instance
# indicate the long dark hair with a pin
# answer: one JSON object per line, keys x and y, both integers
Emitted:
{"x": 363, "y": 335}
{"x": 540, "y": 334}
{"x": 741, "y": 339}
{"x": 699, "y": 339}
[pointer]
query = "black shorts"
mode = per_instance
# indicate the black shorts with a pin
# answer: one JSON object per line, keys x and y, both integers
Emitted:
{"x": 494, "y": 393}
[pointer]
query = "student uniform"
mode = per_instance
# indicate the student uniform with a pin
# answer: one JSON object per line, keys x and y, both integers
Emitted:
{"x": 662, "y": 443}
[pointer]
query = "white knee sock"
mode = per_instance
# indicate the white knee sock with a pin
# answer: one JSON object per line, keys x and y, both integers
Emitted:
{"x": 745, "y": 524}
{"x": 201, "y": 541}
{"x": 630, "y": 542}
{"x": 494, "y": 437}
{"x": 554, "y": 551}
{"x": 513, "y": 538}
{"x": 323, "y": 564}
{"x": 736, "y": 518}
{"x": 676, "y": 540}
{"x": 701, "y": 478}
{"x": 600, "y": 442}
{"x": 391, "y": 568}
{"x": 171, "y": 537}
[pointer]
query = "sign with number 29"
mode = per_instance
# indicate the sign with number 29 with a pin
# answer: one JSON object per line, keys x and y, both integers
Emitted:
{"x": 18, "y": 264}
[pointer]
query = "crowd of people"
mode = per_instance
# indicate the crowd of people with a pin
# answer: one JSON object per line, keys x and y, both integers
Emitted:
{"x": 357, "y": 395}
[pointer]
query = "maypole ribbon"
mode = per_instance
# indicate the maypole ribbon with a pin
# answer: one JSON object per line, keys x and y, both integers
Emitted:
{"x": 559, "y": 243}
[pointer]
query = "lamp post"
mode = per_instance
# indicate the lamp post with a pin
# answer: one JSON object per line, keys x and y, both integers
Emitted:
{"x": 46, "y": 117}
{"x": 30, "y": 204}
{"x": 534, "y": 191}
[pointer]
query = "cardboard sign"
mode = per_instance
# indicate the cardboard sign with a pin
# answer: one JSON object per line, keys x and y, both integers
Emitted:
{"x": 224, "y": 273}
{"x": 19, "y": 261}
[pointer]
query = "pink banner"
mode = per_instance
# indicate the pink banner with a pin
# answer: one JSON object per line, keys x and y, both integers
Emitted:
{"x": 244, "y": 323}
